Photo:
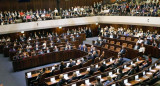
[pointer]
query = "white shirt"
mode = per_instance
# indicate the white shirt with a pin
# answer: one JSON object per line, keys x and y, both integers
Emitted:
{"x": 140, "y": 41}
{"x": 142, "y": 49}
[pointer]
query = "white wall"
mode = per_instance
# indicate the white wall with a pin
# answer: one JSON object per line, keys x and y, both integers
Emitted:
{"x": 131, "y": 20}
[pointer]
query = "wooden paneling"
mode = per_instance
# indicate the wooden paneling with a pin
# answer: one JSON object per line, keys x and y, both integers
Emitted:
{"x": 42, "y": 4}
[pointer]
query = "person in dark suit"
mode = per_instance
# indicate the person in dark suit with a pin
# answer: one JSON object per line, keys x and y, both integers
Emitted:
{"x": 74, "y": 77}
{"x": 136, "y": 47}
{"x": 131, "y": 71}
{"x": 47, "y": 50}
{"x": 122, "y": 51}
{"x": 85, "y": 48}
{"x": 92, "y": 70}
{"x": 62, "y": 81}
{"x": 81, "y": 63}
{"x": 98, "y": 82}
{"x": 119, "y": 75}
{"x": 62, "y": 66}
{"x": 52, "y": 70}
{"x": 56, "y": 49}
{"x": 102, "y": 67}
{"x": 41, "y": 52}
{"x": 90, "y": 57}
{"x": 136, "y": 67}
{"x": 72, "y": 63}
{"x": 58, "y": 40}
{"x": 86, "y": 75}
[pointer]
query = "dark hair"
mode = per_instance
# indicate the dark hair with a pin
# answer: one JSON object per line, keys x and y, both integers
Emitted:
{"x": 98, "y": 79}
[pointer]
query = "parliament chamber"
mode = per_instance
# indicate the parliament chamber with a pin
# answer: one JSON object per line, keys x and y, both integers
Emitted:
{"x": 80, "y": 43}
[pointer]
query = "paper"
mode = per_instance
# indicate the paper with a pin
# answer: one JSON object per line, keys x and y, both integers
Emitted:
{"x": 88, "y": 69}
{"x": 110, "y": 59}
{"x": 53, "y": 80}
{"x": 87, "y": 82}
{"x": 110, "y": 73}
{"x": 136, "y": 77}
{"x": 96, "y": 66}
{"x": 29, "y": 74}
{"x": 66, "y": 76}
{"x": 113, "y": 85}
{"x": 74, "y": 85}
{"x": 126, "y": 81}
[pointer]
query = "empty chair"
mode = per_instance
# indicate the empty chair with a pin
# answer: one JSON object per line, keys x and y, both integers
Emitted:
{"x": 124, "y": 44}
{"x": 118, "y": 43}
{"x": 122, "y": 38}
{"x": 111, "y": 48}
{"x": 135, "y": 40}
{"x": 128, "y": 39}
{"x": 118, "y": 49}
{"x": 106, "y": 46}
{"x": 111, "y": 42}
{"x": 130, "y": 46}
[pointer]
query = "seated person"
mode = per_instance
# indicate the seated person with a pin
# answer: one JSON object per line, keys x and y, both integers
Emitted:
{"x": 102, "y": 67}
{"x": 92, "y": 70}
{"x": 74, "y": 77}
{"x": 72, "y": 63}
{"x": 81, "y": 63}
{"x": 56, "y": 49}
{"x": 109, "y": 80}
{"x": 122, "y": 51}
{"x": 85, "y": 48}
{"x": 131, "y": 71}
{"x": 136, "y": 67}
{"x": 96, "y": 43}
{"x": 62, "y": 66}
{"x": 41, "y": 52}
{"x": 98, "y": 82}
{"x": 120, "y": 74}
{"x": 58, "y": 40}
{"x": 136, "y": 47}
{"x": 52, "y": 70}
{"x": 86, "y": 75}
{"x": 62, "y": 81}
{"x": 139, "y": 41}
{"x": 47, "y": 50}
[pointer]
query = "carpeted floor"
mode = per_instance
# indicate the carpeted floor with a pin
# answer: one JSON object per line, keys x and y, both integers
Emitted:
{"x": 10, "y": 78}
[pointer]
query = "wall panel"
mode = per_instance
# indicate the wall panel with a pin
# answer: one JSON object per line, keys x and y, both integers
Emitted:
{"x": 41, "y": 4}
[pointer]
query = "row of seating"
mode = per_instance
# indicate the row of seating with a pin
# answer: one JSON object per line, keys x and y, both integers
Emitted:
{"x": 112, "y": 73}
{"x": 43, "y": 59}
{"x": 154, "y": 51}
{"x": 34, "y": 73}
{"x": 140, "y": 77}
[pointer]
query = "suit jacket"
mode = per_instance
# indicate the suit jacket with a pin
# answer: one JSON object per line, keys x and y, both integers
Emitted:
{"x": 102, "y": 68}
{"x": 72, "y": 64}
{"x": 136, "y": 47}
{"x": 62, "y": 67}
{"x": 92, "y": 70}
{"x": 61, "y": 82}
{"x": 131, "y": 71}
{"x": 73, "y": 78}
{"x": 123, "y": 51}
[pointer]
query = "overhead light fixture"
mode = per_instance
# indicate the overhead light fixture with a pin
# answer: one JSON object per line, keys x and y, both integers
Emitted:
{"x": 60, "y": 27}
{"x": 22, "y": 31}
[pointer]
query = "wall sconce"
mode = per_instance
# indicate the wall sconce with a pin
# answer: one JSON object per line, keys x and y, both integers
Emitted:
{"x": 60, "y": 27}
{"x": 22, "y": 31}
